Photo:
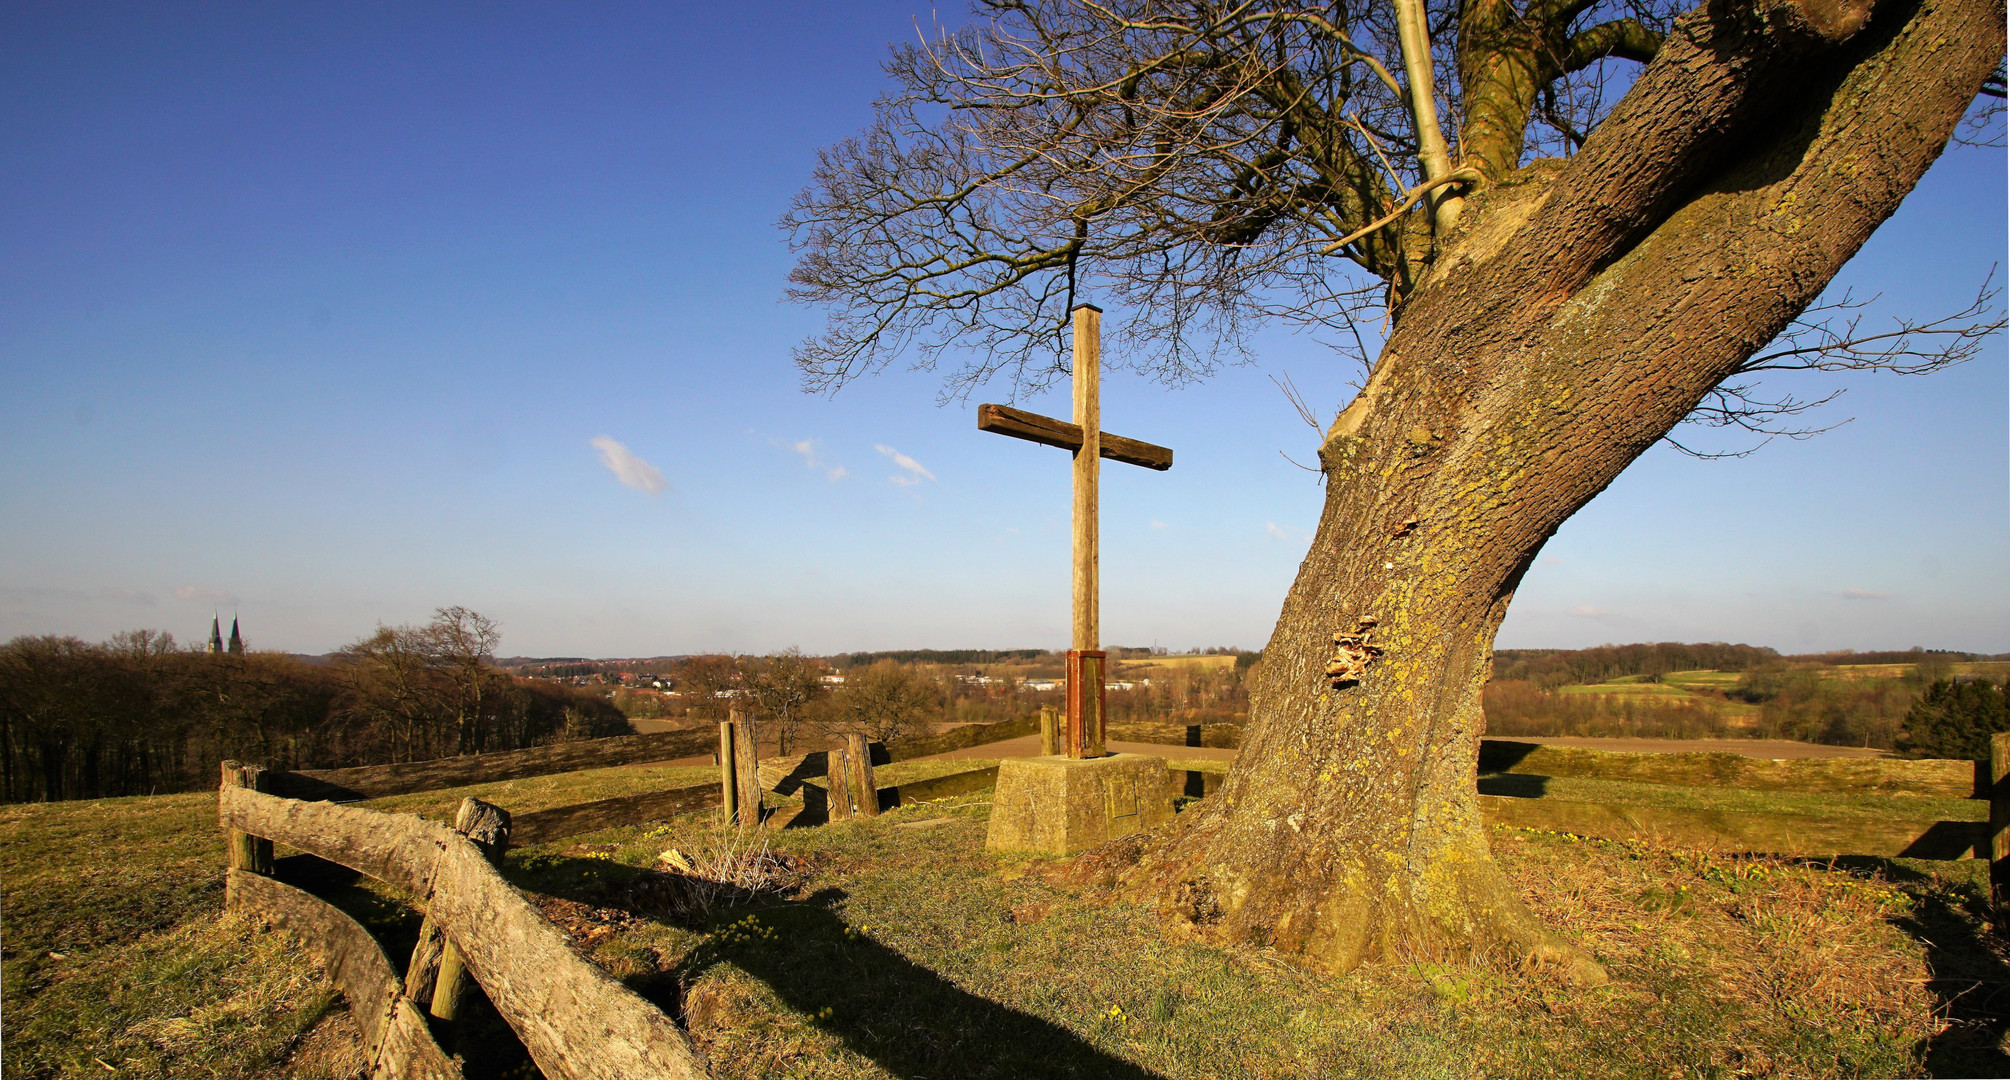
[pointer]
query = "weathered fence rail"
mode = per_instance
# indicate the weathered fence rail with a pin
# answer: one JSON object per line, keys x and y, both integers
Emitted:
{"x": 396, "y": 1040}
{"x": 577, "y": 1021}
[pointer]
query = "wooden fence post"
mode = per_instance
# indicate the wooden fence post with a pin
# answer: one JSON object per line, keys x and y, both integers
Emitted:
{"x": 746, "y": 764}
{"x": 861, "y": 788}
{"x": 488, "y": 826}
{"x": 1999, "y": 826}
{"x": 729, "y": 774}
{"x": 245, "y": 851}
{"x": 837, "y": 784}
{"x": 1050, "y": 731}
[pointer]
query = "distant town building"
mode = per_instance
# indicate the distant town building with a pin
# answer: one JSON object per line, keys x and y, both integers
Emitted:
{"x": 236, "y": 644}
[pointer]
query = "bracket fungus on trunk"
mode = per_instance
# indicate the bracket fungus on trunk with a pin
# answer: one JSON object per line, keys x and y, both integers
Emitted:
{"x": 1352, "y": 654}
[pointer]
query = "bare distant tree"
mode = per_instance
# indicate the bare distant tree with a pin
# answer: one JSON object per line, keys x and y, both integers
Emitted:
{"x": 1564, "y": 273}
{"x": 463, "y": 645}
{"x": 884, "y": 702}
{"x": 706, "y": 684}
{"x": 783, "y": 685}
{"x": 392, "y": 675}
{"x": 435, "y": 684}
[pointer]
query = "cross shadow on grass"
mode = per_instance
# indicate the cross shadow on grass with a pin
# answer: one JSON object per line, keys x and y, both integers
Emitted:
{"x": 1968, "y": 968}
{"x": 909, "y": 1020}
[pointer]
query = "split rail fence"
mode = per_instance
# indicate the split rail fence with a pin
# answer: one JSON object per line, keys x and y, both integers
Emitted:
{"x": 579, "y": 1023}
{"x": 576, "y": 1021}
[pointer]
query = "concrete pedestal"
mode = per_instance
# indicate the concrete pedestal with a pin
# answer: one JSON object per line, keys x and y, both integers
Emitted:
{"x": 1062, "y": 806}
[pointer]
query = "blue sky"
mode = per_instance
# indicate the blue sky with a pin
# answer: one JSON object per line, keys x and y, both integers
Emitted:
{"x": 315, "y": 313}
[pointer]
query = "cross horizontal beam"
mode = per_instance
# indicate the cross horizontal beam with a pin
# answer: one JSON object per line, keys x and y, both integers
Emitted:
{"x": 1020, "y": 424}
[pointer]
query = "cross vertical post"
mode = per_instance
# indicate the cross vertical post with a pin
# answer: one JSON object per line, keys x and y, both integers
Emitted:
{"x": 1082, "y": 733}
{"x": 1085, "y": 658}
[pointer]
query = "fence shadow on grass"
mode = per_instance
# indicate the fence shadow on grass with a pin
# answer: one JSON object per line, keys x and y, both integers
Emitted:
{"x": 480, "y": 1036}
{"x": 1969, "y": 972}
{"x": 1514, "y": 785}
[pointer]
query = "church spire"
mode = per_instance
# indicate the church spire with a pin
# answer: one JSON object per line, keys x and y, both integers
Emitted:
{"x": 215, "y": 633}
{"x": 236, "y": 643}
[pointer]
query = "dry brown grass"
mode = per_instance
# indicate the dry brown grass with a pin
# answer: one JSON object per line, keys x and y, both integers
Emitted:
{"x": 1789, "y": 954}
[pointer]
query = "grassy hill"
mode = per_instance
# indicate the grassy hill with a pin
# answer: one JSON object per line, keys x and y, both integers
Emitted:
{"x": 898, "y": 947}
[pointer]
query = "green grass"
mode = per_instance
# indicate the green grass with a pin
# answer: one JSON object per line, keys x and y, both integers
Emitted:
{"x": 901, "y": 948}
{"x": 118, "y": 958}
{"x": 1627, "y": 688}
{"x": 547, "y": 792}
{"x": 907, "y": 950}
{"x": 1702, "y": 688}
{"x": 1705, "y": 679}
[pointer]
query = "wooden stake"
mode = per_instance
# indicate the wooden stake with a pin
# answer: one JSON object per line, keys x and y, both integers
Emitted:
{"x": 864, "y": 790}
{"x": 1050, "y": 732}
{"x": 746, "y": 765}
{"x": 488, "y": 826}
{"x": 837, "y": 784}
{"x": 243, "y": 850}
{"x": 729, "y": 776}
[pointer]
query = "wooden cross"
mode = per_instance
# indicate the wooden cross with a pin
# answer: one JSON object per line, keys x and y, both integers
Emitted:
{"x": 1090, "y": 444}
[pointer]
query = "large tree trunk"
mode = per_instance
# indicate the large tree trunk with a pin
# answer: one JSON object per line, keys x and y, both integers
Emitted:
{"x": 1584, "y": 308}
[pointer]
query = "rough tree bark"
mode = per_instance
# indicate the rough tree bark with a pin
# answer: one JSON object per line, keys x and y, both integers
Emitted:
{"x": 1551, "y": 321}
{"x": 1582, "y": 309}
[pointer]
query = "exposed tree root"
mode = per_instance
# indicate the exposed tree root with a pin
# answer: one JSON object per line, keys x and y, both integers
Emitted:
{"x": 1349, "y": 918}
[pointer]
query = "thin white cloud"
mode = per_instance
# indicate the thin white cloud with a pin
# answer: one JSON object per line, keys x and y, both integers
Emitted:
{"x": 1283, "y": 532}
{"x": 1157, "y": 524}
{"x": 128, "y": 596}
{"x": 629, "y": 469}
{"x": 1586, "y": 611}
{"x": 915, "y": 472}
{"x": 807, "y": 449}
{"x": 1864, "y": 594}
{"x": 205, "y": 596}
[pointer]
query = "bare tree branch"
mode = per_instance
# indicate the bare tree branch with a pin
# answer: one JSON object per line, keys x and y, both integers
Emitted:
{"x": 1831, "y": 337}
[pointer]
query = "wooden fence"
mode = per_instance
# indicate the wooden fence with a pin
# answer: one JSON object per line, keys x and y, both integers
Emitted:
{"x": 577, "y": 1021}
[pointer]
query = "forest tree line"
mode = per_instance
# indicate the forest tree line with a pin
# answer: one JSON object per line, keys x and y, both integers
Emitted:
{"x": 140, "y": 714}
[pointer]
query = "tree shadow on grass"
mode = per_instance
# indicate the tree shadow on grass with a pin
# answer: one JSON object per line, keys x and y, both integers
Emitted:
{"x": 1969, "y": 971}
{"x": 911, "y": 1021}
